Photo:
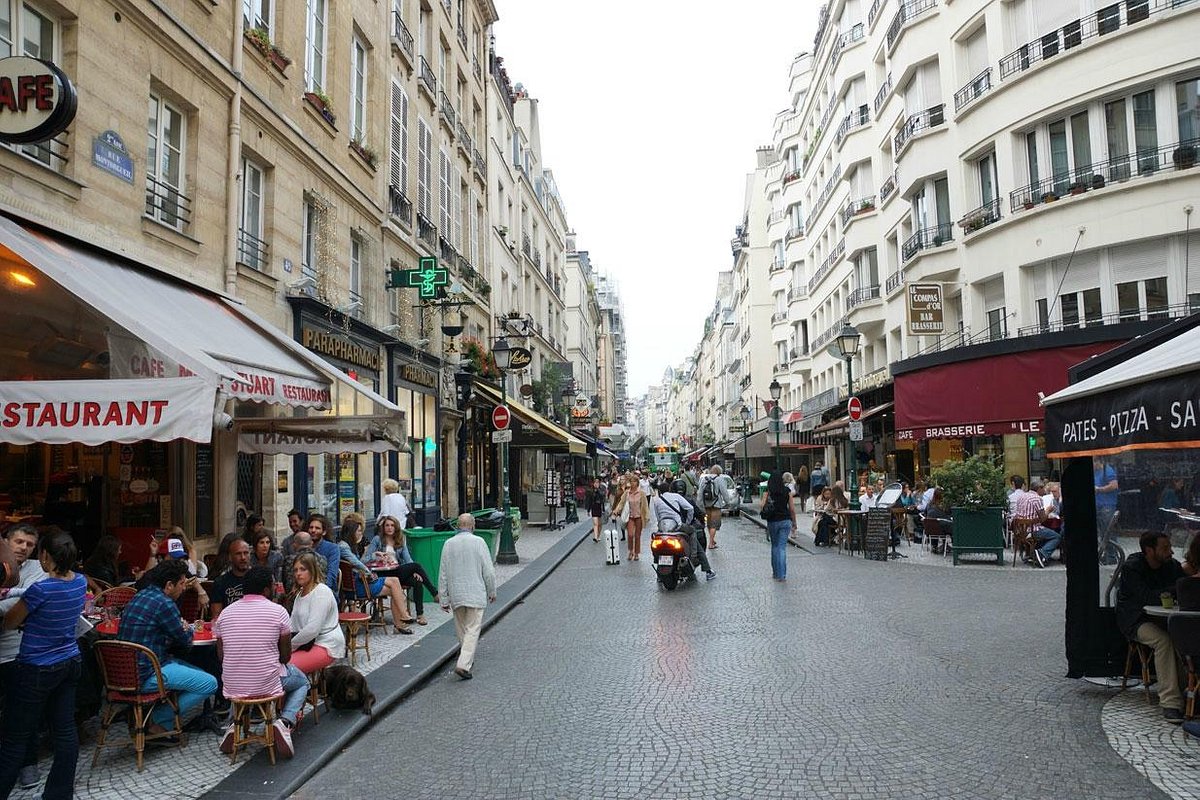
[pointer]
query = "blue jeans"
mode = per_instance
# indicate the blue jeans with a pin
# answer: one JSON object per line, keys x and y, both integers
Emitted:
{"x": 778, "y": 532}
{"x": 32, "y": 693}
{"x": 1048, "y": 540}
{"x": 295, "y": 689}
{"x": 193, "y": 685}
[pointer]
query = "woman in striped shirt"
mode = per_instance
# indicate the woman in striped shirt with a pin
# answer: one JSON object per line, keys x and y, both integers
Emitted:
{"x": 49, "y": 669}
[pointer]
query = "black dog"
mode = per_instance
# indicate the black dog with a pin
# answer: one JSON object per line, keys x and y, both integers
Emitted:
{"x": 346, "y": 688}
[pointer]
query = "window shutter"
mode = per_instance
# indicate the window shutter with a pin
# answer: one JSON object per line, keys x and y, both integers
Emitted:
{"x": 445, "y": 195}
{"x": 424, "y": 154}
{"x": 1192, "y": 275}
{"x": 1139, "y": 261}
{"x": 456, "y": 194}
{"x": 977, "y": 59}
{"x": 473, "y": 245}
{"x": 1083, "y": 274}
{"x": 993, "y": 294}
{"x": 398, "y": 170}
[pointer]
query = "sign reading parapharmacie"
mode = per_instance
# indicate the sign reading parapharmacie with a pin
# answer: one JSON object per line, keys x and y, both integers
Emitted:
{"x": 925, "y": 316}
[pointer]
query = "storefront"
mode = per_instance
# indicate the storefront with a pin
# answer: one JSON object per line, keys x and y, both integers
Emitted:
{"x": 1133, "y": 416}
{"x": 414, "y": 388}
{"x": 126, "y": 394}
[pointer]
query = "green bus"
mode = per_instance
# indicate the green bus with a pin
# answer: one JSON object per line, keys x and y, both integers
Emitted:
{"x": 663, "y": 456}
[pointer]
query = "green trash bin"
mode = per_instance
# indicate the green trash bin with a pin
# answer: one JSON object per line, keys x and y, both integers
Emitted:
{"x": 425, "y": 547}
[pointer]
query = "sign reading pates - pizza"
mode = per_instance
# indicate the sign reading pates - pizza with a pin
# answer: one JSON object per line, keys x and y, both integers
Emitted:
{"x": 37, "y": 100}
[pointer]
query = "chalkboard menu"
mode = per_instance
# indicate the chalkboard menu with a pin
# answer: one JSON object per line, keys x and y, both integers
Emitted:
{"x": 879, "y": 534}
{"x": 204, "y": 491}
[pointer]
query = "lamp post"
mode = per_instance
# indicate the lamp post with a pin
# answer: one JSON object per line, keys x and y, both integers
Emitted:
{"x": 747, "y": 496}
{"x": 507, "y": 554}
{"x": 776, "y": 416}
{"x": 847, "y": 342}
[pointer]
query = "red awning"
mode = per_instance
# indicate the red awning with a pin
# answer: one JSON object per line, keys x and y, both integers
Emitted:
{"x": 985, "y": 396}
{"x": 844, "y": 422}
{"x": 792, "y": 416}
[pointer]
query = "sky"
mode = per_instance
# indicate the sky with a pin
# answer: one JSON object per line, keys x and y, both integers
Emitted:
{"x": 650, "y": 114}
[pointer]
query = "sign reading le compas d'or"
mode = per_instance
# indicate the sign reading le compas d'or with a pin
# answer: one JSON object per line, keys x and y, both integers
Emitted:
{"x": 37, "y": 100}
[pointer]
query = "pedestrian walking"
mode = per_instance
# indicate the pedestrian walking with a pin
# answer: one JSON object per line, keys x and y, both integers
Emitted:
{"x": 803, "y": 486}
{"x": 634, "y": 509}
{"x": 780, "y": 514}
{"x": 595, "y": 504}
{"x": 468, "y": 585}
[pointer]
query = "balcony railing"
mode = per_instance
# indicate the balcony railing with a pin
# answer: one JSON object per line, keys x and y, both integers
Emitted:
{"x": 746, "y": 336}
{"x": 464, "y": 139}
{"x": 826, "y": 192}
{"x": 527, "y": 246}
{"x": 894, "y": 282}
{"x": 399, "y": 206}
{"x": 1142, "y": 164}
{"x": 853, "y": 208}
{"x": 427, "y": 232}
{"x": 922, "y": 120}
{"x": 864, "y": 295}
{"x": 478, "y": 70}
{"x": 1111, "y": 318}
{"x": 477, "y": 162}
{"x": 780, "y": 369}
{"x": 788, "y": 177}
{"x": 855, "y": 119}
{"x": 978, "y": 86}
{"x": 797, "y": 293}
{"x": 908, "y": 11}
{"x": 889, "y": 187}
{"x": 826, "y": 266}
{"x": 876, "y": 7}
{"x": 447, "y": 109}
{"x": 827, "y": 337}
{"x": 167, "y": 205}
{"x": 776, "y": 216}
{"x": 855, "y": 34}
{"x": 927, "y": 238}
{"x": 252, "y": 251}
{"x": 425, "y": 73}
{"x": 981, "y": 217}
{"x": 462, "y": 34}
{"x": 446, "y": 250}
{"x": 778, "y": 316}
{"x": 795, "y": 232}
{"x": 1100, "y": 23}
{"x": 882, "y": 95}
{"x": 778, "y": 265}
{"x": 401, "y": 37}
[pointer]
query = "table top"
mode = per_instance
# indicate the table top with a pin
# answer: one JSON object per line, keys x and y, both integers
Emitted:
{"x": 109, "y": 628}
{"x": 852, "y": 512}
{"x": 1159, "y": 611}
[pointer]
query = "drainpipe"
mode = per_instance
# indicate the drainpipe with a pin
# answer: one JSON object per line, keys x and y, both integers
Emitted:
{"x": 233, "y": 172}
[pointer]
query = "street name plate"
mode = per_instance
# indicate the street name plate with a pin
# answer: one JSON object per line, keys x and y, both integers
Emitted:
{"x": 501, "y": 436}
{"x": 856, "y": 431}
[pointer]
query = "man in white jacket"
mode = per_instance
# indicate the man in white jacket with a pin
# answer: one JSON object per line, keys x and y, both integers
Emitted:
{"x": 468, "y": 584}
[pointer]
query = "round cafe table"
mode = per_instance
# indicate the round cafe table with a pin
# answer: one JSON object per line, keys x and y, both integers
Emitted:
{"x": 205, "y": 638}
{"x": 1164, "y": 613}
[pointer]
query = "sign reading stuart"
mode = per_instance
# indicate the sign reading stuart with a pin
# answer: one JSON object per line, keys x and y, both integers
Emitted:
{"x": 925, "y": 315}
{"x": 37, "y": 100}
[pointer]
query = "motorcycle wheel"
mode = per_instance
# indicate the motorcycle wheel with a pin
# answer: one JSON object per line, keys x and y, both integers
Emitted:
{"x": 669, "y": 581}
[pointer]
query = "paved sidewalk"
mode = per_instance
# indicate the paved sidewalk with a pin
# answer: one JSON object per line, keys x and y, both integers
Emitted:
{"x": 199, "y": 767}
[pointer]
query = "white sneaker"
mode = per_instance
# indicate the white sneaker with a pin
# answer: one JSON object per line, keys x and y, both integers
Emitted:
{"x": 283, "y": 739}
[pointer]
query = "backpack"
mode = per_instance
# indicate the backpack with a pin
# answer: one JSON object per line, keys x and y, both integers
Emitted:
{"x": 708, "y": 492}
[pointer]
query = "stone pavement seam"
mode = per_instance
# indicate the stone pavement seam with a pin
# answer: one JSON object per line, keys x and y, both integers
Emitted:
{"x": 260, "y": 779}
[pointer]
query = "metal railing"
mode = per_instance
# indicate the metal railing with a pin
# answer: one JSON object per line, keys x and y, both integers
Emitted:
{"x": 852, "y": 121}
{"x": 882, "y": 95}
{"x": 1110, "y": 318}
{"x": 446, "y": 250}
{"x": 826, "y": 266}
{"x": 1141, "y": 164}
{"x": 929, "y": 118}
{"x": 778, "y": 265}
{"x": 399, "y": 206}
{"x": 1099, "y": 23}
{"x": 476, "y": 68}
{"x": 855, "y": 34}
{"x": 779, "y": 316}
{"x": 447, "y": 110}
{"x": 958, "y": 338}
{"x": 780, "y": 369}
{"x": 526, "y": 246}
{"x": 828, "y": 336}
{"x": 776, "y": 216}
{"x": 978, "y": 86}
{"x": 863, "y": 295}
{"x": 826, "y": 192}
{"x": 425, "y": 73}
{"x": 402, "y": 37}
{"x": 797, "y": 293}
{"x": 427, "y": 231}
{"x": 981, "y": 217}
{"x": 908, "y": 11}
{"x": 794, "y": 232}
{"x": 464, "y": 139}
{"x": 166, "y": 204}
{"x": 477, "y": 161}
{"x": 462, "y": 34}
{"x": 855, "y": 207}
{"x": 927, "y": 238}
{"x": 876, "y": 7}
{"x": 889, "y": 186}
{"x": 788, "y": 177}
{"x": 894, "y": 282}
{"x": 252, "y": 251}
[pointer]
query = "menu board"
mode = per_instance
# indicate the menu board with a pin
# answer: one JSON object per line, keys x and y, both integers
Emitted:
{"x": 879, "y": 534}
{"x": 553, "y": 489}
{"x": 204, "y": 491}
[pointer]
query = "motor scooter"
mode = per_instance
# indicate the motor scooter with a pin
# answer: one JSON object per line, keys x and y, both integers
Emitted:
{"x": 672, "y": 564}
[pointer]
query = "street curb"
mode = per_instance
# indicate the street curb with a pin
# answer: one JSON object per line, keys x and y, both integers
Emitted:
{"x": 750, "y": 514}
{"x": 391, "y": 684}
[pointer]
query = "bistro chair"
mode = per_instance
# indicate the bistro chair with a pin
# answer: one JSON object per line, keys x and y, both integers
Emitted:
{"x": 1023, "y": 541}
{"x": 244, "y": 722}
{"x": 352, "y": 622}
{"x": 932, "y": 529}
{"x": 347, "y": 580}
{"x": 316, "y": 693}
{"x": 1185, "y": 636}
{"x": 119, "y": 671}
{"x": 115, "y": 598}
{"x": 1145, "y": 657}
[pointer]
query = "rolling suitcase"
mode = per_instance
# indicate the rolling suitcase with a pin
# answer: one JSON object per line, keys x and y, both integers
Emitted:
{"x": 612, "y": 546}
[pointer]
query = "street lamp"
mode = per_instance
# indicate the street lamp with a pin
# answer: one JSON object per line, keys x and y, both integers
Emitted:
{"x": 507, "y": 554}
{"x": 847, "y": 342}
{"x": 747, "y": 496}
{"x": 776, "y": 417}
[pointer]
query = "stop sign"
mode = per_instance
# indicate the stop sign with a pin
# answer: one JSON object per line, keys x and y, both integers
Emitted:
{"x": 500, "y": 417}
{"x": 854, "y": 409}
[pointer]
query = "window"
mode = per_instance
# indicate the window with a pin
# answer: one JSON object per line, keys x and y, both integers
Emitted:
{"x": 30, "y": 33}
{"x": 1187, "y": 106}
{"x": 1059, "y": 165}
{"x": 314, "y": 54}
{"x": 424, "y": 170}
{"x": 310, "y": 219}
{"x": 356, "y": 254}
{"x": 165, "y": 143}
{"x": 252, "y": 249}
{"x": 1145, "y": 131}
{"x": 1117, "y": 132}
{"x": 456, "y": 209}
{"x": 997, "y": 324}
{"x": 1081, "y": 146}
{"x": 1087, "y": 301}
{"x": 1031, "y": 157}
{"x": 987, "y": 179}
{"x": 358, "y": 92}
{"x": 257, "y": 14}
{"x": 1043, "y": 312}
{"x": 1149, "y": 295}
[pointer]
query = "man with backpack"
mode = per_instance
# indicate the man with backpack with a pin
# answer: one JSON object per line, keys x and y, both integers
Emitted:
{"x": 713, "y": 495}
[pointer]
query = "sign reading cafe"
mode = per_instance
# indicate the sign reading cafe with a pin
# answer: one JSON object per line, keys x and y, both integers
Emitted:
{"x": 37, "y": 100}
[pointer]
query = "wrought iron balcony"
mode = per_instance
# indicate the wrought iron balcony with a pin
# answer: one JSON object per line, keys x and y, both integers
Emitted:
{"x": 427, "y": 232}
{"x": 478, "y": 70}
{"x": 793, "y": 175}
{"x": 864, "y": 295}
{"x": 447, "y": 110}
{"x": 889, "y": 187}
{"x": 876, "y": 7}
{"x": 778, "y": 265}
{"x": 908, "y": 11}
{"x": 828, "y": 336}
{"x": 894, "y": 282}
{"x": 462, "y": 34}
{"x": 478, "y": 163}
{"x": 826, "y": 266}
{"x": 882, "y": 95}
{"x": 252, "y": 251}
{"x": 778, "y": 317}
{"x": 526, "y": 246}
{"x": 780, "y": 369}
{"x": 863, "y": 205}
{"x": 927, "y": 238}
{"x": 931, "y": 117}
{"x": 399, "y": 207}
{"x": 402, "y": 39}
{"x": 464, "y": 140}
{"x": 826, "y": 192}
{"x": 446, "y": 250}
{"x": 981, "y": 217}
{"x": 797, "y": 293}
{"x": 1111, "y": 318}
{"x": 1104, "y": 21}
{"x": 855, "y": 119}
{"x": 166, "y": 204}
{"x": 978, "y": 86}
{"x": 427, "y": 80}
{"x": 794, "y": 232}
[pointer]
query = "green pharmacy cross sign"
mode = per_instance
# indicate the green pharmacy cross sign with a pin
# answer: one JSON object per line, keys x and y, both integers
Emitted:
{"x": 427, "y": 277}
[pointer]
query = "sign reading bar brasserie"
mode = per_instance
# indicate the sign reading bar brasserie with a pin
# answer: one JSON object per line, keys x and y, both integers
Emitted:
{"x": 338, "y": 347}
{"x": 925, "y": 314}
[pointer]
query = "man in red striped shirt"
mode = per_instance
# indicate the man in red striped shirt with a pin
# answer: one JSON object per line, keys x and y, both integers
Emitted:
{"x": 254, "y": 643}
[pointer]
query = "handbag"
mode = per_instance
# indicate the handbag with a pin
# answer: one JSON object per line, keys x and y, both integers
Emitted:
{"x": 624, "y": 513}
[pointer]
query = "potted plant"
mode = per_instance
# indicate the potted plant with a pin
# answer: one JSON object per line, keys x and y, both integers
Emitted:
{"x": 865, "y": 206}
{"x": 477, "y": 359}
{"x": 321, "y": 102}
{"x": 365, "y": 152}
{"x": 1097, "y": 181}
{"x": 1049, "y": 197}
{"x": 1184, "y": 156}
{"x": 1028, "y": 203}
{"x": 974, "y": 492}
{"x": 1078, "y": 188}
{"x": 503, "y": 231}
{"x": 262, "y": 42}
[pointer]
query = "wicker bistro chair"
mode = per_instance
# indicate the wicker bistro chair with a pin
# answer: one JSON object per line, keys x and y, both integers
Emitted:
{"x": 1185, "y": 636}
{"x": 1023, "y": 540}
{"x": 119, "y": 671}
{"x": 243, "y": 723}
{"x": 116, "y": 598}
{"x": 932, "y": 529}
{"x": 1145, "y": 656}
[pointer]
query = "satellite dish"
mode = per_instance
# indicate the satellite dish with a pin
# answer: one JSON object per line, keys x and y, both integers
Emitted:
{"x": 526, "y": 390}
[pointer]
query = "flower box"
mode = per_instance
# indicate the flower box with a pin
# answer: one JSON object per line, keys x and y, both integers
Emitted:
{"x": 321, "y": 103}
{"x": 365, "y": 153}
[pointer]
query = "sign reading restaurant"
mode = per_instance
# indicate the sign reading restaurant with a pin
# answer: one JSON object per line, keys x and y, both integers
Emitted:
{"x": 925, "y": 314}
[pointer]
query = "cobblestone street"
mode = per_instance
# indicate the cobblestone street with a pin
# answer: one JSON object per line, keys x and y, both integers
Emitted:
{"x": 853, "y": 679}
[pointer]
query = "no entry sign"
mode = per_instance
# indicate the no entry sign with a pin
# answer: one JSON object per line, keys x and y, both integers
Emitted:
{"x": 500, "y": 417}
{"x": 854, "y": 409}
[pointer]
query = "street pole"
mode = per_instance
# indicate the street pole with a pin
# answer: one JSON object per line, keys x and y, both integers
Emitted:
{"x": 507, "y": 553}
{"x": 777, "y": 415}
{"x": 853, "y": 477}
{"x": 747, "y": 494}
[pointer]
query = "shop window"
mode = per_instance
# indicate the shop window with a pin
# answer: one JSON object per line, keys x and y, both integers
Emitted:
{"x": 165, "y": 151}
{"x": 315, "y": 44}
